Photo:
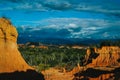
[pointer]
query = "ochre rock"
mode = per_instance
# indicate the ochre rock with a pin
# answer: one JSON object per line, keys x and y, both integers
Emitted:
{"x": 10, "y": 58}
{"x": 100, "y": 64}
{"x": 106, "y": 56}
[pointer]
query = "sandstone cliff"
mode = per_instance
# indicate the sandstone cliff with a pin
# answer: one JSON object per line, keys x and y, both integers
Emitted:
{"x": 103, "y": 57}
{"x": 12, "y": 65}
{"x": 100, "y": 64}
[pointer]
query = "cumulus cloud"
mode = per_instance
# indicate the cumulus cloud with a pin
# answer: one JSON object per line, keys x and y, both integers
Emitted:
{"x": 75, "y": 28}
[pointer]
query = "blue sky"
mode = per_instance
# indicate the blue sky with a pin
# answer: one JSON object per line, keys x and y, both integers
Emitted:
{"x": 92, "y": 19}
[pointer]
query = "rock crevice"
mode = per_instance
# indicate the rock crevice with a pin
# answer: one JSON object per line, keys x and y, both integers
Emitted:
{"x": 10, "y": 58}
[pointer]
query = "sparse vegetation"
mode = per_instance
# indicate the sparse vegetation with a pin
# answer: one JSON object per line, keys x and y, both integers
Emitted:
{"x": 57, "y": 57}
{"x": 52, "y": 57}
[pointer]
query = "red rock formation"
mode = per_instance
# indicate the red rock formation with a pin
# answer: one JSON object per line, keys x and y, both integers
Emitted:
{"x": 43, "y": 47}
{"x": 100, "y": 64}
{"x": 107, "y": 56}
{"x": 12, "y": 64}
{"x": 10, "y": 58}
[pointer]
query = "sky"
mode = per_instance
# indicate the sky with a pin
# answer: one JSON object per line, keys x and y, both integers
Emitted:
{"x": 84, "y": 19}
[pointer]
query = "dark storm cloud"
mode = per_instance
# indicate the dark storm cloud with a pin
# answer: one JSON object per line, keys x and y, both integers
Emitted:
{"x": 12, "y": 1}
{"x": 44, "y": 32}
{"x": 103, "y": 6}
{"x": 58, "y": 6}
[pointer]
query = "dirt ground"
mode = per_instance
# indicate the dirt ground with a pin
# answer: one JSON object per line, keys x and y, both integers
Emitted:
{"x": 55, "y": 74}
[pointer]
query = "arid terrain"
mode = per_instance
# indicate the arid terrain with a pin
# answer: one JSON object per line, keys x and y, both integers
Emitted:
{"x": 54, "y": 62}
{"x": 100, "y": 64}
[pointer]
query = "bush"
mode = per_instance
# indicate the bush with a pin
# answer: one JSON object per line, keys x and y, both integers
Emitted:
{"x": 52, "y": 57}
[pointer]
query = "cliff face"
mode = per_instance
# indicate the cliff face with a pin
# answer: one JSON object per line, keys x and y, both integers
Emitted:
{"x": 102, "y": 57}
{"x": 10, "y": 58}
{"x": 12, "y": 65}
{"x": 100, "y": 64}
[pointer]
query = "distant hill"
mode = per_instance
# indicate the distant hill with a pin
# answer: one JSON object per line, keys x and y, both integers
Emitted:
{"x": 60, "y": 41}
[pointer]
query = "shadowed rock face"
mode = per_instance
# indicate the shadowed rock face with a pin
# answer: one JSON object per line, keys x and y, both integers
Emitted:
{"x": 103, "y": 57}
{"x": 7, "y": 31}
{"x": 27, "y": 75}
{"x": 96, "y": 74}
{"x": 10, "y": 58}
{"x": 100, "y": 64}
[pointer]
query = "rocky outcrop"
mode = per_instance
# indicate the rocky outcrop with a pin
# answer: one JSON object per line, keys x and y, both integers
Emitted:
{"x": 10, "y": 58}
{"x": 11, "y": 61}
{"x": 103, "y": 57}
{"x": 100, "y": 64}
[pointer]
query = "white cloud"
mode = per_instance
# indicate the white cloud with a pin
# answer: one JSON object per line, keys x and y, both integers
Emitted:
{"x": 24, "y": 6}
{"x": 105, "y": 34}
{"x": 96, "y": 8}
{"x": 77, "y": 28}
{"x": 72, "y": 25}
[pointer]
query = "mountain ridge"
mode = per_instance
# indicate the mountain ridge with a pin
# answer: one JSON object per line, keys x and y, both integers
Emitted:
{"x": 65, "y": 41}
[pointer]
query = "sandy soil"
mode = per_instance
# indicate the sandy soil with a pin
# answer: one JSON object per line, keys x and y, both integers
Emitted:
{"x": 55, "y": 74}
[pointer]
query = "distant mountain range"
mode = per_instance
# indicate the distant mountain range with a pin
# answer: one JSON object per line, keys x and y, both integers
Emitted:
{"x": 60, "y": 41}
{"x": 62, "y": 36}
